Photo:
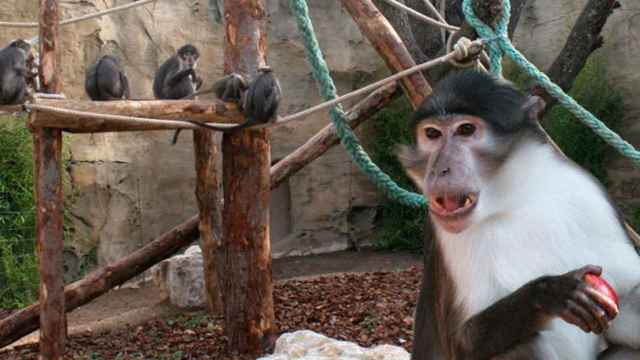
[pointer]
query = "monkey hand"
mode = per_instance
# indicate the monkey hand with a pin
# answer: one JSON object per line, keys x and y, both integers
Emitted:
{"x": 572, "y": 299}
{"x": 198, "y": 81}
{"x": 230, "y": 88}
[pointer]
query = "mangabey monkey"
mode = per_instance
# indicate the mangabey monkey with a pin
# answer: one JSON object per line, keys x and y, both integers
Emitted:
{"x": 258, "y": 100}
{"x": 516, "y": 226}
{"x": 106, "y": 80}
{"x": 176, "y": 78}
{"x": 13, "y": 72}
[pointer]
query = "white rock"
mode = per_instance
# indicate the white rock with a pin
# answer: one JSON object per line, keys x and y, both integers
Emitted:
{"x": 181, "y": 279}
{"x": 308, "y": 345}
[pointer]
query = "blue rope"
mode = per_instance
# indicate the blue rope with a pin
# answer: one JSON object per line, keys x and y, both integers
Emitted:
{"x": 503, "y": 46}
{"x": 349, "y": 140}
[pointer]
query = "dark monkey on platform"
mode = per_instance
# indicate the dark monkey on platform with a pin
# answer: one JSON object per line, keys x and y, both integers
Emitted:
{"x": 14, "y": 72}
{"x": 517, "y": 225}
{"x": 106, "y": 80}
{"x": 176, "y": 78}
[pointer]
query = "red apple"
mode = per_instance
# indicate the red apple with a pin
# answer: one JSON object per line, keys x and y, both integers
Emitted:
{"x": 602, "y": 286}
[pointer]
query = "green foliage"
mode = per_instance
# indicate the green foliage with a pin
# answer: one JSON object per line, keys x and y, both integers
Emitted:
{"x": 593, "y": 91}
{"x": 401, "y": 227}
{"x": 18, "y": 263}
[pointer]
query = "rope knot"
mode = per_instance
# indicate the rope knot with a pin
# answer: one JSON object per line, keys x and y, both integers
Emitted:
{"x": 466, "y": 52}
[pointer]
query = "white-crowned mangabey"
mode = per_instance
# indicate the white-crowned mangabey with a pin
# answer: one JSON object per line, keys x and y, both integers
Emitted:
{"x": 517, "y": 226}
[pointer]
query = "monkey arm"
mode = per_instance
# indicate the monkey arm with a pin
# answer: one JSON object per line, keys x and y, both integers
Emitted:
{"x": 500, "y": 327}
{"x": 518, "y": 317}
{"x": 179, "y": 76}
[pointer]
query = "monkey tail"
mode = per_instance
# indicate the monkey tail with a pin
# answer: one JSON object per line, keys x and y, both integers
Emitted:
{"x": 175, "y": 137}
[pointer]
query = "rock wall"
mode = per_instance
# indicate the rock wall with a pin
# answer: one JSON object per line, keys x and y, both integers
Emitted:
{"x": 127, "y": 188}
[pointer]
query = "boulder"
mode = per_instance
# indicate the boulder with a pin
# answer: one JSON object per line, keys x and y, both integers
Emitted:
{"x": 308, "y": 345}
{"x": 181, "y": 279}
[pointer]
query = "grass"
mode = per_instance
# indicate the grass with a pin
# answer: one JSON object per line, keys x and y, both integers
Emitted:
{"x": 18, "y": 262}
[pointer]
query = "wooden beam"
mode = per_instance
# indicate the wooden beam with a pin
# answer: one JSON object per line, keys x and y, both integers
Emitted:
{"x": 208, "y": 196}
{"x": 203, "y": 111}
{"x": 104, "y": 279}
{"x": 244, "y": 262}
{"x": 327, "y": 137}
{"x": 47, "y": 159}
{"x": 383, "y": 37}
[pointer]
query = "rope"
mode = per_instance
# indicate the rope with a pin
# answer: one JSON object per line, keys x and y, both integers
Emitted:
{"x": 504, "y": 46}
{"x": 349, "y": 140}
{"x": 181, "y": 124}
{"x": 441, "y": 24}
{"x": 463, "y": 49}
{"x": 80, "y": 18}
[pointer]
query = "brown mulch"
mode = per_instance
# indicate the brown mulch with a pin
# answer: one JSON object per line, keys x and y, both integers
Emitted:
{"x": 367, "y": 308}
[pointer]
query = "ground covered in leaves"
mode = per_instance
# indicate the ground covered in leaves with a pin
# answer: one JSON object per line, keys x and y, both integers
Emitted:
{"x": 368, "y": 308}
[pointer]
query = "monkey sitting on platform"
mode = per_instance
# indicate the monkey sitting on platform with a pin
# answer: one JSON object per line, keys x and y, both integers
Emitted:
{"x": 106, "y": 80}
{"x": 517, "y": 227}
{"x": 14, "y": 72}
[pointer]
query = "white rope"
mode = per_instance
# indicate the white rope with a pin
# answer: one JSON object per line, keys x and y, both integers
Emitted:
{"x": 421, "y": 16}
{"x": 435, "y": 11}
{"x": 460, "y": 51}
{"x": 180, "y": 124}
{"x": 80, "y": 18}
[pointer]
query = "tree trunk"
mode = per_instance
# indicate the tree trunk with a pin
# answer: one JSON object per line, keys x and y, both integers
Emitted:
{"x": 244, "y": 261}
{"x": 47, "y": 160}
{"x": 208, "y": 195}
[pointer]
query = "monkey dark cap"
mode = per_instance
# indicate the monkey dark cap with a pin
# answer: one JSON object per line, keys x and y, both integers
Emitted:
{"x": 478, "y": 94}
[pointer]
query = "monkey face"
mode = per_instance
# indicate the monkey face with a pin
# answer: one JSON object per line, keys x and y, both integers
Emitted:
{"x": 449, "y": 163}
{"x": 189, "y": 55}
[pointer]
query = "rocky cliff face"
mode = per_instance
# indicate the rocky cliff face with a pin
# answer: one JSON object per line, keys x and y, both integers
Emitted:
{"x": 129, "y": 187}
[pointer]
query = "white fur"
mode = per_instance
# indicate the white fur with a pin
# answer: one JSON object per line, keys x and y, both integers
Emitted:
{"x": 541, "y": 215}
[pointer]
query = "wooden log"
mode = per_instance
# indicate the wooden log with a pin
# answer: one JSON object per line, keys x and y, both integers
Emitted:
{"x": 104, "y": 279}
{"x": 389, "y": 45}
{"x": 203, "y": 111}
{"x": 208, "y": 196}
{"x": 244, "y": 260}
{"x": 47, "y": 160}
{"x": 327, "y": 137}
{"x": 99, "y": 282}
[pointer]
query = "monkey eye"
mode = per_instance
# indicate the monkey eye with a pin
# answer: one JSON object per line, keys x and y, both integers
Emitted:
{"x": 466, "y": 129}
{"x": 432, "y": 133}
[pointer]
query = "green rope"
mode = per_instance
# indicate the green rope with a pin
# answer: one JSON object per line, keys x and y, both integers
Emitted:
{"x": 503, "y": 45}
{"x": 349, "y": 140}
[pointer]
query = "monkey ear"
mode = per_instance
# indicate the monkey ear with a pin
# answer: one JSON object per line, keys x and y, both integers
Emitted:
{"x": 413, "y": 164}
{"x": 534, "y": 109}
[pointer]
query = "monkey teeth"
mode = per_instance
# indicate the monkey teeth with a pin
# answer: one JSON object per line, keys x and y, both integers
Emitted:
{"x": 453, "y": 204}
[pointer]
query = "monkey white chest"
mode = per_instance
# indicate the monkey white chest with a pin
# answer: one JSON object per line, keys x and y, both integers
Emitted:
{"x": 541, "y": 216}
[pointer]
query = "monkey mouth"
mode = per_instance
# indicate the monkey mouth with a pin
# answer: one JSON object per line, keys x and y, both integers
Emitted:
{"x": 452, "y": 206}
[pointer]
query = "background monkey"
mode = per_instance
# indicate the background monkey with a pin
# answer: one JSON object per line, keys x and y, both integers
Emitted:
{"x": 14, "y": 73}
{"x": 106, "y": 80}
{"x": 259, "y": 100}
{"x": 516, "y": 227}
{"x": 176, "y": 78}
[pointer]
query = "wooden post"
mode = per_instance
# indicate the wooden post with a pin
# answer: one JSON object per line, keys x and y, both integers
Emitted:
{"x": 47, "y": 158}
{"x": 210, "y": 217}
{"x": 244, "y": 263}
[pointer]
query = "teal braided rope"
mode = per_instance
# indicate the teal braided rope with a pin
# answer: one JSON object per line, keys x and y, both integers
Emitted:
{"x": 485, "y": 32}
{"x": 506, "y": 47}
{"x": 349, "y": 140}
